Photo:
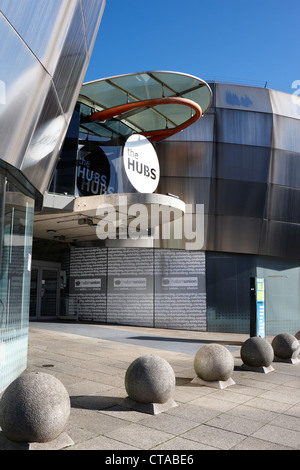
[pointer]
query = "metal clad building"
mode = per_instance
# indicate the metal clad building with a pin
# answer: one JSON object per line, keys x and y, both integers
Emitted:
{"x": 240, "y": 163}
{"x": 45, "y": 49}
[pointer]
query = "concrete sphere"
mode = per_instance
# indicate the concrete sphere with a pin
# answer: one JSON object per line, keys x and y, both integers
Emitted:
{"x": 285, "y": 346}
{"x": 297, "y": 335}
{"x": 34, "y": 408}
{"x": 257, "y": 352}
{"x": 150, "y": 379}
{"x": 213, "y": 362}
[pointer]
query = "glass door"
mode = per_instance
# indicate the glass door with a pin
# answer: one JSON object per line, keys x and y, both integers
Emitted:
{"x": 45, "y": 287}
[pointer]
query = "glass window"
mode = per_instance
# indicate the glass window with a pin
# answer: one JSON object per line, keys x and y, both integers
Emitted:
{"x": 63, "y": 181}
{"x": 16, "y": 235}
{"x": 282, "y": 279}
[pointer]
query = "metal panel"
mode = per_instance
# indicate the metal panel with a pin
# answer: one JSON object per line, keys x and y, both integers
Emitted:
{"x": 202, "y": 130}
{"x": 242, "y": 127}
{"x": 285, "y": 104}
{"x": 56, "y": 33}
{"x": 286, "y": 133}
{"x": 45, "y": 143}
{"x": 242, "y": 97}
{"x": 92, "y": 11}
{"x": 72, "y": 62}
{"x": 238, "y": 198}
{"x": 236, "y": 234}
{"x": 283, "y": 204}
{"x": 189, "y": 190}
{"x": 280, "y": 239}
{"x": 24, "y": 86}
{"x": 285, "y": 168}
{"x": 42, "y": 24}
{"x": 191, "y": 159}
{"x": 241, "y": 162}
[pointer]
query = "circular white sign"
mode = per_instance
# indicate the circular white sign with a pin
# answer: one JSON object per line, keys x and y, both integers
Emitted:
{"x": 141, "y": 164}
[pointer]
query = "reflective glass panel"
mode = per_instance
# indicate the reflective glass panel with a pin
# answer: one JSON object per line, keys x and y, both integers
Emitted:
{"x": 15, "y": 283}
{"x": 68, "y": 75}
{"x": 122, "y": 89}
{"x": 24, "y": 84}
{"x": 282, "y": 280}
{"x": 92, "y": 10}
{"x": 42, "y": 24}
{"x": 242, "y": 127}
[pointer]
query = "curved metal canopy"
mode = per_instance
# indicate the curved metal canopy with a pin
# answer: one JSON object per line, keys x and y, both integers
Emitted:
{"x": 154, "y": 104}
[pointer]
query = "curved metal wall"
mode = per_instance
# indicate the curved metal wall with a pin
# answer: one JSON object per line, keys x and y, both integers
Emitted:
{"x": 242, "y": 161}
{"x": 45, "y": 50}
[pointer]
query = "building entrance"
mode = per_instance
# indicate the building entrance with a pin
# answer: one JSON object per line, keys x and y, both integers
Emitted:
{"x": 44, "y": 290}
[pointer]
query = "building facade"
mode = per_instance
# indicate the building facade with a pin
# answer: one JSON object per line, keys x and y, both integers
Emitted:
{"x": 45, "y": 50}
{"x": 236, "y": 170}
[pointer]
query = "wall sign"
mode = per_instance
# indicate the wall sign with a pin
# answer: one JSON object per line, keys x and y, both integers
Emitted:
{"x": 141, "y": 164}
{"x": 260, "y": 307}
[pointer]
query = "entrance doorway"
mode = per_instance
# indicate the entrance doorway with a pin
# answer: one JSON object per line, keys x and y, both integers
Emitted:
{"x": 44, "y": 290}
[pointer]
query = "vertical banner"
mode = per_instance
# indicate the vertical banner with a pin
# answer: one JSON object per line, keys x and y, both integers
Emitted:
{"x": 260, "y": 307}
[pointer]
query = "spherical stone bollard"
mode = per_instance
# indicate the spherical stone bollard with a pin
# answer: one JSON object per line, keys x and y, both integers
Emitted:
{"x": 297, "y": 335}
{"x": 285, "y": 346}
{"x": 34, "y": 408}
{"x": 150, "y": 379}
{"x": 213, "y": 362}
{"x": 257, "y": 352}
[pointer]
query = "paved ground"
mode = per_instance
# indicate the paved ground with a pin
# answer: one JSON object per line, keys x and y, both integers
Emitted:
{"x": 261, "y": 411}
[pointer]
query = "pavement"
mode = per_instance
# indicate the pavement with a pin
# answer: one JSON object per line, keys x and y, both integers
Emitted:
{"x": 259, "y": 412}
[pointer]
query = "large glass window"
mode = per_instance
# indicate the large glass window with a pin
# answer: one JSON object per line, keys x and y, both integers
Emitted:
{"x": 16, "y": 235}
{"x": 282, "y": 280}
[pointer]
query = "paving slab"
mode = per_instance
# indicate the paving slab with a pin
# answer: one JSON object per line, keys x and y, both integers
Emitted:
{"x": 259, "y": 412}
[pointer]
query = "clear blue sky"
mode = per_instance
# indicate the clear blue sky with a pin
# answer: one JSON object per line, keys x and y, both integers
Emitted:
{"x": 243, "y": 41}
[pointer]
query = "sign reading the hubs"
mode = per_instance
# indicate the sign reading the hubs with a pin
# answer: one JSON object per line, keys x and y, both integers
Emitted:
{"x": 141, "y": 164}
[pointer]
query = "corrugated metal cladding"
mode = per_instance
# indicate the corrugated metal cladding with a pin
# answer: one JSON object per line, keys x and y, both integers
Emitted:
{"x": 242, "y": 161}
{"x": 46, "y": 47}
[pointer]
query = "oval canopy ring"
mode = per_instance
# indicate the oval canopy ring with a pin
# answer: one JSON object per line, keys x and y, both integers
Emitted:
{"x": 158, "y": 134}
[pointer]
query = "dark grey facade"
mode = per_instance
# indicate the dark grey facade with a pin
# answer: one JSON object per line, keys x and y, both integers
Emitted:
{"x": 45, "y": 49}
{"x": 242, "y": 160}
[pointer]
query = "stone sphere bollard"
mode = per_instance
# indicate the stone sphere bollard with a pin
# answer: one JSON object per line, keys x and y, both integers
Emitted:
{"x": 213, "y": 362}
{"x": 297, "y": 335}
{"x": 257, "y": 352}
{"x": 150, "y": 379}
{"x": 34, "y": 408}
{"x": 286, "y": 346}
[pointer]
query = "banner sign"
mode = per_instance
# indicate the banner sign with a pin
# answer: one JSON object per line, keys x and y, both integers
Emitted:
{"x": 141, "y": 164}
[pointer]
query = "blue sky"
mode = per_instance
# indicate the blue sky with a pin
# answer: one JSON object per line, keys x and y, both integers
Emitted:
{"x": 242, "y": 41}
